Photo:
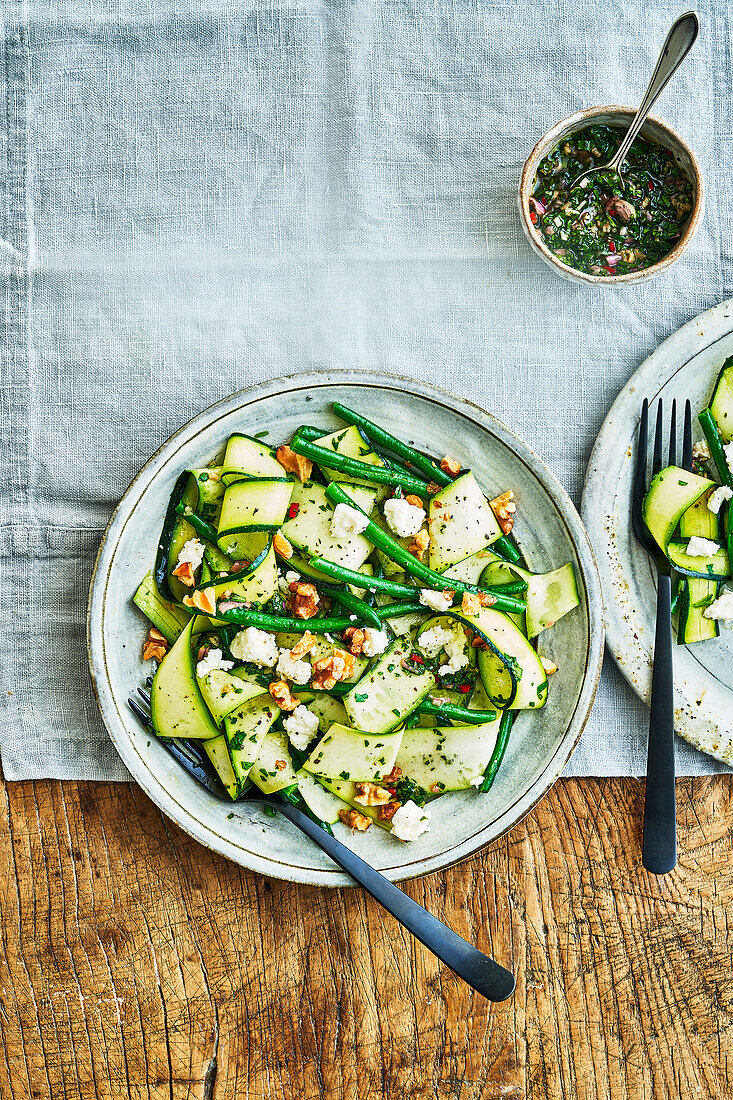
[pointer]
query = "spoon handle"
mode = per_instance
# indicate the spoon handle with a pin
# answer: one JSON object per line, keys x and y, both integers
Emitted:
{"x": 476, "y": 969}
{"x": 678, "y": 44}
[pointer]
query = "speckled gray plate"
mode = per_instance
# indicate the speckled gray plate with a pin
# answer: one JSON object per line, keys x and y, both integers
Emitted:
{"x": 685, "y": 365}
{"x": 551, "y": 533}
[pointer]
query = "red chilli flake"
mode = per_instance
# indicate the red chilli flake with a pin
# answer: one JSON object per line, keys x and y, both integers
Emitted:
{"x": 611, "y": 246}
{"x": 464, "y": 689}
{"x": 416, "y": 659}
{"x": 293, "y": 510}
{"x": 533, "y": 217}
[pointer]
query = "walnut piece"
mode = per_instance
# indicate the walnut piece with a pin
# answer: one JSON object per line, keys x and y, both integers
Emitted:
{"x": 155, "y": 646}
{"x": 504, "y": 508}
{"x": 282, "y": 546}
{"x": 416, "y": 501}
{"x": 387, "y": 812}
{"x": 281, "y": 765}
{"x": 303, "y": 600}
{"x": 433, "y": 487}
{"x": 369, "y": 794}
{"x": 330, "y": 670}
{"x": 306, "y": 645}
{"x": 355, "y": 820}
{"x": 470, "y": 603}
{"x": 419, "y": 544}
{"x": 280, "y": 692}
{"x": 391, "y": 779}
{"x": 295, "y": 464}
{"x": 354, "y": 638}
{"x": 450, "y": 466}
{"x": 184, "y": 572}
{"x": 203, "y": 600}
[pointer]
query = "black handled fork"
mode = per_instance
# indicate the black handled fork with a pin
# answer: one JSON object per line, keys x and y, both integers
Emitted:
{"x": 659, "y": 849}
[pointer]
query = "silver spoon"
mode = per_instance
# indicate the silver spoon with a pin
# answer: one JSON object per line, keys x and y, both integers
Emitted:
{"x": 678, "y": 44}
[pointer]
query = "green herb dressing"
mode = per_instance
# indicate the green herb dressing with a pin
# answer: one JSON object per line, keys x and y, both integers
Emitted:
{"x": 605, "y": 226}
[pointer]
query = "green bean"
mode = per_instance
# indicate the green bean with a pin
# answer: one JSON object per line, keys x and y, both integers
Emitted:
{"x": 502, "y": 740}
{"x": 200, "y": 526}
{"x": 462, "y": 714}
{"x": 246, "y": 616}
{"x": 507, "y": 549}
{"x": 411, "y": 564}
{"x": 503, "y": 598}
{"x": 332, "y": 460}
{"x": 715, "y": 443}
{"x": 353, "y": 604}
{"x": 376, "y": 434}
{"x": 510, "y": 588}
{"x": 370, "y": 584}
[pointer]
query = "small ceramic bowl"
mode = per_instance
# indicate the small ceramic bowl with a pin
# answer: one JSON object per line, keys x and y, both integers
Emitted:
{"x": 654, "y": 129}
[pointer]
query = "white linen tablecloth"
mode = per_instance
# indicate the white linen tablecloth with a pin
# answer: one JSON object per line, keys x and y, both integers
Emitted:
{"x": 201, "y": 195}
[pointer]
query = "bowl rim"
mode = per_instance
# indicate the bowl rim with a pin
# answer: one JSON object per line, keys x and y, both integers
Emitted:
{"x": 581, "y": 119}
{"x": 140, "y": 768}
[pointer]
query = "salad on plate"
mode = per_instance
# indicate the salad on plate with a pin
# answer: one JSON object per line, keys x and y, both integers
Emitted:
{"x": 347, "y": 621}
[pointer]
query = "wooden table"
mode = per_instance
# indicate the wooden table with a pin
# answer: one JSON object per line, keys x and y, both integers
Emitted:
{"x": 137, "y": 963}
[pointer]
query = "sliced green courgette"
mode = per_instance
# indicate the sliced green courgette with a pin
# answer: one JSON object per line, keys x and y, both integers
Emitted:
{"x": 353, "y": 754}
{"x": 670, "y": 494}
{"x": 447, "y": 757}
{"x": 309, "y": 528}
{"x": 695, "y": 595}
{"x": 223, "y": 692}
{"x": 247, "y": 458}
{"x": 255, "y": 583}
{"x": 251, "y": 511}
{"x": 169, "y": 619}
{"x": 268, "y": 772}
{"x": 246, "y": 729}
{"x": 176, "y": 532}
{"x": 460, "y": 522}
{"x": 721, "y": 405}
{"x": 177, "y": 705}
{"x": 391, "y": 690}
{"x": 699, "y": 520}
{"x": 511, "y": 671}
{"x": 217, "y": 751}
{"x": 320, "y": 801}
{"x": 715, "y": 567}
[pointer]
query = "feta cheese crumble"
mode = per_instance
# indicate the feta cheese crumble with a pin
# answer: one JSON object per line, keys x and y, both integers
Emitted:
{"x": 410, "y": 821}
{"x": 212, "y": 660}
{"x": 436, "y": 601}
{"x": 193, "y": 552}
{"x": 455, "y": 651}
{"x": 256, "y": 647}
{"x": 290, "y": 668}
{"x": 301, "y": 727}
{"x": 375, "y": 641}
{"x": 477, "y": 781}
{"x": 347, "y": 521}
{"x": 433, "y": 640}
{"x": 722, "y": 608}
{"x": 698, "y": 547}
{"x": 716, "y": 498}
{"x": 404, "y": 519}
{"x": 701, "y": 450}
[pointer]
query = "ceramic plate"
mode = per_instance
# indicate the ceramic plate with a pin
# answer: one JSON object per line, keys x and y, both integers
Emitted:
{"x": 685, "y": 365}
{"x": 550, "y": 532}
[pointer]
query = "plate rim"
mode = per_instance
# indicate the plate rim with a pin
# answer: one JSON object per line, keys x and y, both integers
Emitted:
{"x": 481, "y": 419}
{"x": 659, "y": 367}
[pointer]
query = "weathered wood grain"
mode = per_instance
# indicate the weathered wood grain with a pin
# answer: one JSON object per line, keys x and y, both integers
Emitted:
{"x": 136, "y": 963}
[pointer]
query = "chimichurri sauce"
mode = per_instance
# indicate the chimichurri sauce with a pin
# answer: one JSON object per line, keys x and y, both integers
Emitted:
{"x": 604, "y": 226}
